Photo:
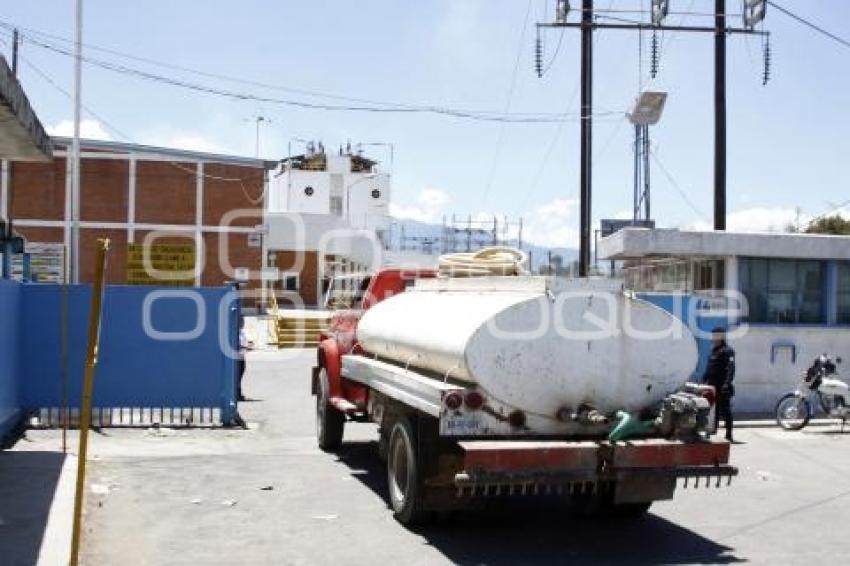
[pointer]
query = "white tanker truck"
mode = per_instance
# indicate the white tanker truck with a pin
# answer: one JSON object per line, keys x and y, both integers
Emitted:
{"x": 518, "y": 386}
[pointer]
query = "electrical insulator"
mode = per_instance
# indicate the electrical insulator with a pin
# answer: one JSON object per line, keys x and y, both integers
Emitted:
{"x": 562, "y": 8}
{"x": 660, "y": 9}
{"x": 767, "y": 55}
{"x": 653, "y": 55}
{"x": 538, "y": 56}
{"x": 753, "y": 12}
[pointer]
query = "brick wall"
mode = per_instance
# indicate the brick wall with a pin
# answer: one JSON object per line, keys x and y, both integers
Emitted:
{"x": 41, "y": 234}
{"x": 104, "y": 189}
{"x": 38, "y": 189}
{"x": 116, "y": 258}
{"x": 165, "y": 192}
{"x": 219, "y": 267}
{"x": 222, "y": 197}
{"x": 307, "y": 269}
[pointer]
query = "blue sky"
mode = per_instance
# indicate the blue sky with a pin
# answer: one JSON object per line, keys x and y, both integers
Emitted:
{"x": 787, "y": 141}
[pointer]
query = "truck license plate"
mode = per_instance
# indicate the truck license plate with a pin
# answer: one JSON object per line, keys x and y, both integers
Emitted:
{"x": 461, "y": 424}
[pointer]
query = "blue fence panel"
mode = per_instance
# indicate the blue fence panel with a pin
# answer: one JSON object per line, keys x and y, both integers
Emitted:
{"x": 10, "y": 402}
{"x": 688, "y": 309}
{"x": 158, "y": 347}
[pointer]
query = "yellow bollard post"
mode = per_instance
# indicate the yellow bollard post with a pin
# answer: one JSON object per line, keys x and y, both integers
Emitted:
{"x": 88, "y": 383}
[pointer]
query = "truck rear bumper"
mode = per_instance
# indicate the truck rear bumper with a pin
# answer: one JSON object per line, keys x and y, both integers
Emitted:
{"x": 647, "y": 468}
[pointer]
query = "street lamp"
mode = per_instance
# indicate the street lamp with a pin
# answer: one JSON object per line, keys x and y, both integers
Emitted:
{"x": 646, "y": 112}
{"x": 348, "y": 194}
{"x": 648, "y": 108}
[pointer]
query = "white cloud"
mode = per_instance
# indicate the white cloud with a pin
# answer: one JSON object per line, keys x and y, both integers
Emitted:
{"x": 89, "y": 129}
{"x": 428, "y": 208}
{"x": 757, "y": 219}
{"x": 177, "y": 139}
{"x": 192, "y": 142}
{"x": 552, "y": 224}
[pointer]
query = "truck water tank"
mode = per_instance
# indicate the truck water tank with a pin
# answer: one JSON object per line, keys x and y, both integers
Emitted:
{"x": 533, "y": 345}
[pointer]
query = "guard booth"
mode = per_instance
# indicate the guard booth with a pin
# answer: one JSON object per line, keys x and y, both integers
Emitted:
{"x": 786, "y": 296}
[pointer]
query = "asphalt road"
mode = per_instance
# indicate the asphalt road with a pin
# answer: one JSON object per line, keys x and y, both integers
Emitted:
{"x": 268, "y": 496}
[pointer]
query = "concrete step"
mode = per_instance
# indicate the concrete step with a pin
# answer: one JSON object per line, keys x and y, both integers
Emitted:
{"x": 301, "y": 324}
{"x": 296, "y": 344}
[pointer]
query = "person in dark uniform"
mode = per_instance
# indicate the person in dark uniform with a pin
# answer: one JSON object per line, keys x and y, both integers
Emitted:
{"x": 719, "y": 373}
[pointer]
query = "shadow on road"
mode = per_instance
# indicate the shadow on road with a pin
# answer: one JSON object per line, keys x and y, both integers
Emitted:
{"x": 27, "y": 483}
{"x": 535, "y": 530}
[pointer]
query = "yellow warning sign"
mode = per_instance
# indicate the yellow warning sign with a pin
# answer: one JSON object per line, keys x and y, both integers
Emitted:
{"x": 171, "y": 265}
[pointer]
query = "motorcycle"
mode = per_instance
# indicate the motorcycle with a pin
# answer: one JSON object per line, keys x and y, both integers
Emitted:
{"x": 794, "y": 410}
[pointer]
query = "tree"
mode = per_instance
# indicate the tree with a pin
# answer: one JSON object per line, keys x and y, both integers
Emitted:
{"x": 830, "y": 225}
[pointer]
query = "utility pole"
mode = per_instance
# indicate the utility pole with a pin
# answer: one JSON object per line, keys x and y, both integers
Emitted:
{"x": 15, "y": 41}
{"x": 720, "y": 115}
{"x": 257, "y": 121}
{"x": 754, "y": 13}
{"x": 586, "y": 136}
{"x": 75, "y": 147}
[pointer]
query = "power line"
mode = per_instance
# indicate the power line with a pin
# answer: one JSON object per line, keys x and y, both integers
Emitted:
{"x": 830, "y": 212}
{"x": 809, "y": 24}
{"x": 511, "y": 88}
{"x": 678, "y": 189}
{"x": 372, "y": 107}
{"x": 127, "y": 138}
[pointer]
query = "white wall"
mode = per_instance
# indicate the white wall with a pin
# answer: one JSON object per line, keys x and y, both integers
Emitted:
{"x": 366, "y": 211}
{"x": 325, "y": 233}
{"x": 759, "y": 383}
{"x": 288, "y": 192}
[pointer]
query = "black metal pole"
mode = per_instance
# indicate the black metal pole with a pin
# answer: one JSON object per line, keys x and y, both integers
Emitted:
{"x": 586, "y": 136}
{"x": 15, "y": 41}
{"x": 720, "y": 116}
{"x": 647, "y": 185}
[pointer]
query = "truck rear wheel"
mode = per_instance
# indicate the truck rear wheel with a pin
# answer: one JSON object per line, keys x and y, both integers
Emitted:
{"x": 330, "y": 422}
{"x": 404, "y": 474}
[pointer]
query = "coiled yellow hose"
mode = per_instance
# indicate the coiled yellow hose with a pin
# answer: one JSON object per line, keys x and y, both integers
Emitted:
{"x": 486, "y": 261}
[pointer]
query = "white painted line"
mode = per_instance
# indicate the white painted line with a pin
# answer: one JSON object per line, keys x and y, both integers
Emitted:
{"x": 56, "y": 542}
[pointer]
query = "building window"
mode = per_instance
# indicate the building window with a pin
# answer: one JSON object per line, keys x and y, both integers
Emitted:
{"x": 290, "y": 282}
{"x": 709, "y": 275}
{"x": 843, "y": 299}
{"x": 784, "y": 291}
{"x": 336, "y": 206}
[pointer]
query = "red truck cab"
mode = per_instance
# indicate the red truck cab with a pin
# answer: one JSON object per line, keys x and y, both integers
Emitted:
{"x": 340, "y": 338}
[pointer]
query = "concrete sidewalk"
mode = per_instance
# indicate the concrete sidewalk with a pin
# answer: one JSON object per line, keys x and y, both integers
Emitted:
{"x": 37, "y": 495}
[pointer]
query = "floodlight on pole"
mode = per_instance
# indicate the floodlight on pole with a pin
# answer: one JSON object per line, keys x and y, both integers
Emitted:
{"x": 646, "y": 112}
{"x": 648, "y": 108}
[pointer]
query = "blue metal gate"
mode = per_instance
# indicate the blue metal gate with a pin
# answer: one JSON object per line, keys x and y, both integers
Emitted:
{"x": 166, "y": 354}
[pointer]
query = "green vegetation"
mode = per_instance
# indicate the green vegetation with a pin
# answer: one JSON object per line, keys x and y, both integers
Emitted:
{"x": 830, "y": 225}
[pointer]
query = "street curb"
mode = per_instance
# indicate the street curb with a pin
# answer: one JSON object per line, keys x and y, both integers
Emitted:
{"x": 56, "y": 542}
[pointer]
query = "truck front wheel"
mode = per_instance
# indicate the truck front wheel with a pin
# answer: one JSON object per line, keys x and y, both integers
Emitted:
{"x": 330, "y": 421}
{"x": 404, "y": 473}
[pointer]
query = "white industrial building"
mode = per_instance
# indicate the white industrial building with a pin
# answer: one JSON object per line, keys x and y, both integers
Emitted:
{"x": 794, "y": 292}
{"x": 327, "y": 214}
{"x": 345, "y": 186}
